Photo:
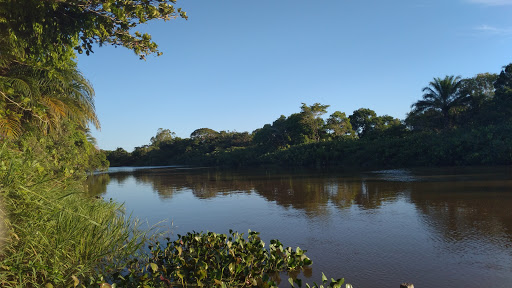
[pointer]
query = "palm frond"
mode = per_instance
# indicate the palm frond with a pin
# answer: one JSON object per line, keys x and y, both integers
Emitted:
{"x": 47, "y": 98}
{"x": 10, "y": 127}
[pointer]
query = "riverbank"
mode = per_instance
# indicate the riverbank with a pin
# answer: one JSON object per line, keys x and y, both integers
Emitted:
{"x": 54, "y": 234}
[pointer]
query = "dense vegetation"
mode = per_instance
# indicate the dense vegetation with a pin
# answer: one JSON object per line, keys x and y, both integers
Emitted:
{"x": 457, "y": 122}
{"x": 55, "y": 235}
{"x": 52, "y": 234}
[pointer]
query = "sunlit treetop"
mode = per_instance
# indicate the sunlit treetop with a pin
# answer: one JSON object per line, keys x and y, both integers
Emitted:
{"x": 50, "y": 32}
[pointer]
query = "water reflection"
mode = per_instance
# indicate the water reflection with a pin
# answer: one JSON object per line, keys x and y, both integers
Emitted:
{"x": 309, "y": 192}
{"x": 442, "y": 220}
{"x": 463, "y": 210}
{"x": 453, "y": 199}
{"x": 448, "y": 196}
{"x": 97, "y": 184}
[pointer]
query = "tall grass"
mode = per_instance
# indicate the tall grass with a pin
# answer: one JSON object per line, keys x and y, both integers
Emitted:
{"x": 54, "y": 233}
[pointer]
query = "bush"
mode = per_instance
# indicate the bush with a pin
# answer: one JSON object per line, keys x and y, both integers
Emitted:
{"x": 56, "y": 235}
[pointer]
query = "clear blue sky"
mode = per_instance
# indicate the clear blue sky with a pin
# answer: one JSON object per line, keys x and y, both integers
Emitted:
{"x": 236, "y": 65}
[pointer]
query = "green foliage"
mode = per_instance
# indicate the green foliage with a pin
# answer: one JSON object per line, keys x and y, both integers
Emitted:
{"x": 204, "y": 134}
{"x": 311, "y": 123}
{"x": 362, "y": 121}
{"x": 162, "y": 136}
{"x": 75, "y": 25}
{"x": 119, "y": 157}
{"x": 479, "y": 89}
{"x": 325, "y": 283}
{"x": 503, "y": 95}
{"x": 212, "y": 260}
{"x": 442, "y": 96}
{"x": 274, "y": 136}
{"x": 55, "y": 235}
{"x": 37, "y": 98}
{"x": 39, "y": 83}
{"x": 339, "y": 125}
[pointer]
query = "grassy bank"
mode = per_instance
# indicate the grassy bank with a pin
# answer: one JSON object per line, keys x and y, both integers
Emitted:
{"x": 53, "y": 233}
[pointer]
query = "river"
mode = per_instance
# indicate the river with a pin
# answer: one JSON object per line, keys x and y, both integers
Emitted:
{"x": 434, "y": 227}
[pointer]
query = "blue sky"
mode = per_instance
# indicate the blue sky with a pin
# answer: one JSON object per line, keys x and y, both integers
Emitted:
{"x": 237, "y": 65}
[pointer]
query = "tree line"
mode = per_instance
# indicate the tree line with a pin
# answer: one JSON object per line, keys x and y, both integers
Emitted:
{"x": 456, "y": 122}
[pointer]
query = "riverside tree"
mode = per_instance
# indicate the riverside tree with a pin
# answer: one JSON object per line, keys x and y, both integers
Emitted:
{"x": 39, "y": 82}
{"x": 50, "y": 32}
{"x": 442, "y": 96}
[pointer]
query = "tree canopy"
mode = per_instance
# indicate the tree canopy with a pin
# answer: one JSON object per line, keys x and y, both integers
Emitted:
{"x": 442, "y": 95}
{"x": 162, "y": 136}
{"x": 338, "y": 125}
{"x": 40, "y": 85}
{"x": 503, "y": 94}
{"x": 203, "y": 134}
{"x": 49, "y": 32}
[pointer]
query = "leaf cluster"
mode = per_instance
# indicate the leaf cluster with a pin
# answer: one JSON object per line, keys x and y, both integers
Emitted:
{"x": 44, "y": 99}
{"x": 212, "y": 260}
{"x": 49, "y": 32}
{"x": 325, "y": 283}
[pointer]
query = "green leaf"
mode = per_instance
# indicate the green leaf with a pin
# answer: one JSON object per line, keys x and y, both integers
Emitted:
{"x": 154, "y": 267}
{"x": 75, "y": 280}
{"x": 324, "y": 279}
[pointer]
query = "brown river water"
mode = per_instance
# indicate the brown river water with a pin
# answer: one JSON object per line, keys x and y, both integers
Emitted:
{"x": 433, "y": 227}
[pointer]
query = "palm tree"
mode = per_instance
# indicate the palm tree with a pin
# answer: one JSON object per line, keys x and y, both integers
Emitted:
{"x": 43, "y": 99}
{"x": 441, "y": 96}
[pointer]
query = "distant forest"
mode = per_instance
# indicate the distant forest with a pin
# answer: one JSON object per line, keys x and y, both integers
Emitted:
{"x": 456, "y": 122}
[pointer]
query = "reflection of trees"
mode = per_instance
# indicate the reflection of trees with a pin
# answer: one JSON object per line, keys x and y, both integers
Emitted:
{"x": 308, "y": 190}
{"x": 457, "y": 205}
{"x": 212, "y": 183}
{"x": 204, "y": 183}
{"x": 303, "y": 193}
{"x": 97, "y": 184}
{"x": 162, "y": 184}
{"x": 372, "y": 193}
{"x": 466, "y": 209}
{"x": 343, "y": 193}
{"x": 120, "y": 177}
